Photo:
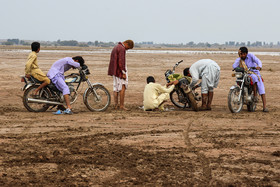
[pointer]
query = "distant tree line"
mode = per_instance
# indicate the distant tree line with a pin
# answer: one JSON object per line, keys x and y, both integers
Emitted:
{"x": 59, "y": 43}
{"x": 143, "y": 44}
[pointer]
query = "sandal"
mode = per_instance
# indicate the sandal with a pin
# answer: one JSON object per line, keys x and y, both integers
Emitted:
{"x": 265, "y": 110}
{"x": 58, "y": 112}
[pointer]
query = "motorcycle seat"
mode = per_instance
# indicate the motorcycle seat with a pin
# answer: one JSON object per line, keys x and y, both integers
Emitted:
{"x": 33, "y": 79}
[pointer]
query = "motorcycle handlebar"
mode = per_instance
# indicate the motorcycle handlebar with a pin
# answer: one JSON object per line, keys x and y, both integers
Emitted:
{"x": 179, "y": 62}
{"x": 249, "y": 68}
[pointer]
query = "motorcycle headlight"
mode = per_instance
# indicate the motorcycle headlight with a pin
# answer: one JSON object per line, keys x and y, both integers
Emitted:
{"x": 238, "y": 75}
{"x": 167, "y": 73}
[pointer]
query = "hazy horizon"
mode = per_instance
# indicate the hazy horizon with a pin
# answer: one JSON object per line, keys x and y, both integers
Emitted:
{"x": 173, "y": 22}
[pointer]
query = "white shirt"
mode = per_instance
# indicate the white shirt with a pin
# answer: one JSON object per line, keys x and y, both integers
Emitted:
{"x": 197, "y": 70}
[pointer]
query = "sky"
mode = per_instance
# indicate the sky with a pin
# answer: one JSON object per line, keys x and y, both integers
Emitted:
{"x": 160, "y": 21}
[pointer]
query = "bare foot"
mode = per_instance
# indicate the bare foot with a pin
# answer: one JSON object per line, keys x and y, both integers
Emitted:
{"x": 116, "y": 107}
{"x": 123, "y": 108}
{"x": 202, "y": 108}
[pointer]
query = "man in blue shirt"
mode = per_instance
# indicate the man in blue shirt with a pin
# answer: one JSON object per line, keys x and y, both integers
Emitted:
{"x": 252, "y": 61}
{"x": 56, "y": 75}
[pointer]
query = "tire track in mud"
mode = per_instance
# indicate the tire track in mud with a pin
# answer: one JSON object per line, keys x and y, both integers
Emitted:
{"x": 202, "y": 159}
{"x": 133, "y": 166}
{"x": 240, "y": 156}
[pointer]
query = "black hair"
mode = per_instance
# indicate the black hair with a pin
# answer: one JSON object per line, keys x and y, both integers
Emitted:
{"x": 80, "y": 60}
{"x": 35, "y": 46}
{"x": 186, "y": 71}
{"x": 243, "y": 49}
{"x": 150, "y": 79}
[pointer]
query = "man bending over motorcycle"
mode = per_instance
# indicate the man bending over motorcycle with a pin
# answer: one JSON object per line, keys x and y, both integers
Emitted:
{"x": 155, "y": 95}
{"x": 56, "y": 75}
{"x": 209, "y": 72}
{"x": 247, "y": 60}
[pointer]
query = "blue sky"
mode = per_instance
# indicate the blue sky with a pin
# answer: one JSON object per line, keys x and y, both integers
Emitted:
{"x": 160, "y": 21}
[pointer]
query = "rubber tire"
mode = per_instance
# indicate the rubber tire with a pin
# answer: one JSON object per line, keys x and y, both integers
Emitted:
{"x": 89, "y": 91}
{"x": 173, "y": 100}
{"x": 252, "y": 106}
{"x": 193, "y": 101}
{"x": 26, "y": 104}
{"x": 230, "y": 99}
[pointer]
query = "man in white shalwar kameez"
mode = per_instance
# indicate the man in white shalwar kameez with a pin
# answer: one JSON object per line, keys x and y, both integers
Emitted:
{"x": 209, "y": 72}
{"x": 155, "y": 95}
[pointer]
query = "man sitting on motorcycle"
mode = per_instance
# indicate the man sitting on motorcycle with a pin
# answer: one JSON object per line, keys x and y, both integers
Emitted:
{"x": 56, "y": 75}
{"x": 248, "y": 60}
{"x": 155, "y": 95}
{"x": 209, "y": 72}
{"x": 32, "y": 68}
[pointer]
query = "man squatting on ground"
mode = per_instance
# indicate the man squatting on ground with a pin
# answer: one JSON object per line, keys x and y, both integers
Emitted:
{"x": 56, "y": 74}
{"x": 209, "y": 72}
{"x": 32, "y": 68}
{"x": 118, "y": 69}
{"x": 155, "y": 95}
{"x": 252, "y": 61}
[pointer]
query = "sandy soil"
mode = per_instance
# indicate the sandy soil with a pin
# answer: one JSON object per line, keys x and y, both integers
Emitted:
{"x": 178, "y": 147}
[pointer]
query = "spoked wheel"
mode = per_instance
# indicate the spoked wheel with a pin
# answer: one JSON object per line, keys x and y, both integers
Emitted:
{"x": 178, "y": 99}
{"x": 233, "y": 104}
{"x": 97, "y": 99}
{"x": 35, "y": 107}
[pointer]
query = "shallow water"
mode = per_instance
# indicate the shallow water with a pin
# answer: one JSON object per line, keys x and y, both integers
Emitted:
{"x": 144, "y": 52}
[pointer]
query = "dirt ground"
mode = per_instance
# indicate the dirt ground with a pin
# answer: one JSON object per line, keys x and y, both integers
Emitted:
{"x": 119, "y": 148}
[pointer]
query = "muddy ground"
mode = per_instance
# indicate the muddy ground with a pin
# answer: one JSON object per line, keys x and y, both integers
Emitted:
{"x": 119, "y": 148}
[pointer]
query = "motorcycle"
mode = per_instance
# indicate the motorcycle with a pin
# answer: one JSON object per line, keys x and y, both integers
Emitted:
{"x": 182, "y": 96}
{"x": 241, "y": 93}
{"x": 96, "y": 97}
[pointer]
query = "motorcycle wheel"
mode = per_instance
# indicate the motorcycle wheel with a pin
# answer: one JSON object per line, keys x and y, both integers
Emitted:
{"x": 233, "y": 104}
{"x": 35, "y": 107}
{"x": 174, "y": 97}
{"x": 251, "y": 107}
{"x": 192, "y": 101}
{"x": 99, "y": 102}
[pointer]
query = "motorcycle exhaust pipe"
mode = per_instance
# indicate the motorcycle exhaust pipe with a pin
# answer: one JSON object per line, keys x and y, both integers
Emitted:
{"x": 31, "y": 100}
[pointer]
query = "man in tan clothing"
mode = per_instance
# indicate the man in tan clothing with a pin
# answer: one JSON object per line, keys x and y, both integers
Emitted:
{"x": 32, "y": 68}
{"x": 155, "y": 95}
